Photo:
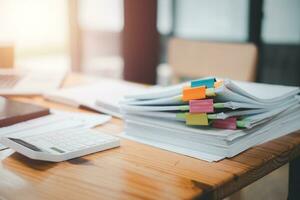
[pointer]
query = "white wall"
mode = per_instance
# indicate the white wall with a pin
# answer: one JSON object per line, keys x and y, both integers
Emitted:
{"x": 228, "y": 20}
{"x": 208, "y": 19}
{"x": 164, "y": 16}
{"x": 103, "y": 15}
{"x": 281, "y": 22}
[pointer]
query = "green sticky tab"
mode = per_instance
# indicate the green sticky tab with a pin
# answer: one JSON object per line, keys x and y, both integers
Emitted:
{"x": 184, "y": 108}
{"x": 196, "y": 119}
{"x": 242, "y": 123}
{"x": 212, "y": 116}
{"x": 179, "y": 98}
{"x": 210, "y": 92}
{"x": 181, "y": 115}
{"x": 218, "y": 105}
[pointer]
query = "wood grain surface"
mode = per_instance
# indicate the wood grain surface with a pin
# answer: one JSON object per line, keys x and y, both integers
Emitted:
{"x": 136, "y": 171}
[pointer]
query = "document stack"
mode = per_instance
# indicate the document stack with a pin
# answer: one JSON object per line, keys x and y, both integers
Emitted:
{"x": 211, "y": 119}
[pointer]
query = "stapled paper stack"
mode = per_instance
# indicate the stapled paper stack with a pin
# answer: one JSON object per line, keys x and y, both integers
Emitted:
{"x": 211, "y": 118}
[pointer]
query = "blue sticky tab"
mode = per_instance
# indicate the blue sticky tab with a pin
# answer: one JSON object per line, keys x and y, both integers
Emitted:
{"x": 208, "y": 82}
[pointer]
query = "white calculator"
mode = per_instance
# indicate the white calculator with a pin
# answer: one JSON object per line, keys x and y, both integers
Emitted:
{"x": 56, "y": 146}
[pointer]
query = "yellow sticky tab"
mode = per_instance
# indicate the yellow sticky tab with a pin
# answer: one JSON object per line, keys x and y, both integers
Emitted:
{"x": 190, "y": 93}
{"x": 196, "y": 119}
{"x": 218, "y": 83}
{"x": 210, "y": 92}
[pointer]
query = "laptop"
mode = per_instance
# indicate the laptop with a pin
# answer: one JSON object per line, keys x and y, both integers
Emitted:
{"x": 29, "y": 82}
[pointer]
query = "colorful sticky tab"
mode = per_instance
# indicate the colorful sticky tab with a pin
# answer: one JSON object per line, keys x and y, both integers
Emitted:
{"x": 218, "y": 105}
{"x": 181, "y": 116}
{"x": 193, "y": 93}
{"x": 202, "y": 106}
{"x": 208, "y": 82}
{"x": 218, "y": 83}
{"x": 210, "y": 92}
{"x": 212, "y": 116}
{"x": 196, "y": 119}
{"x": 242, "y": 124}
{"x": 184, "y": 107}
{"x": 229, "y": 123}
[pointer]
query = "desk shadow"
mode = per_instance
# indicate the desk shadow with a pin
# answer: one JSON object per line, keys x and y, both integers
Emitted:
{"x": 35, "y": 164}
{"x": 80, "y": 161}
{"x": 43, "y": 165}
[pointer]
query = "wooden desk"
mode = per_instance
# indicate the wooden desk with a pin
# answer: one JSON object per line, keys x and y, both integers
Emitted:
{"x": 138, "y": 171}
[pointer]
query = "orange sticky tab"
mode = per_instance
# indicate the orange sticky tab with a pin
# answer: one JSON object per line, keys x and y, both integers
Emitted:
{"x": 193, "y": 93}
{"x": 218, "y": 83}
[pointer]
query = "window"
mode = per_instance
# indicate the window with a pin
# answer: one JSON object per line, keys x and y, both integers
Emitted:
{"x": 38, "y": 29}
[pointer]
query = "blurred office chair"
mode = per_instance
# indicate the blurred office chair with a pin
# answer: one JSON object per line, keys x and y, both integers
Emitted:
{"x": 193, "y": 59}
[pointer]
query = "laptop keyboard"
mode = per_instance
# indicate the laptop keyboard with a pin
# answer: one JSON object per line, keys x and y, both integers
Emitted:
{"x": 8, "y": 81}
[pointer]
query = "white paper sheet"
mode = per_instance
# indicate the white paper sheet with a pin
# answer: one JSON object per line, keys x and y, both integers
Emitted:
{"x": 103, "y": 95}
{"x": 262, "y": 92}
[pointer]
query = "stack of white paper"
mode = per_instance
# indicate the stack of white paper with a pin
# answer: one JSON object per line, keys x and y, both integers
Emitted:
{"x": 103, "y": 95}
{"x": 261, "y": 112}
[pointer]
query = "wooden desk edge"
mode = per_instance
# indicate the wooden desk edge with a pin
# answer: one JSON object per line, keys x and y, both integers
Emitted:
{"x": 241, "y": 180}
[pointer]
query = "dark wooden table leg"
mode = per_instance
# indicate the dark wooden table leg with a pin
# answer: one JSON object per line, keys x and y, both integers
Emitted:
{"x": 294, "y": 180}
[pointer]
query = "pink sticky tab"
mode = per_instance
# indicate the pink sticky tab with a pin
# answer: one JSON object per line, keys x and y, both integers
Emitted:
{"x": 201, "y": 106}
{"x": 229, "y": 123}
